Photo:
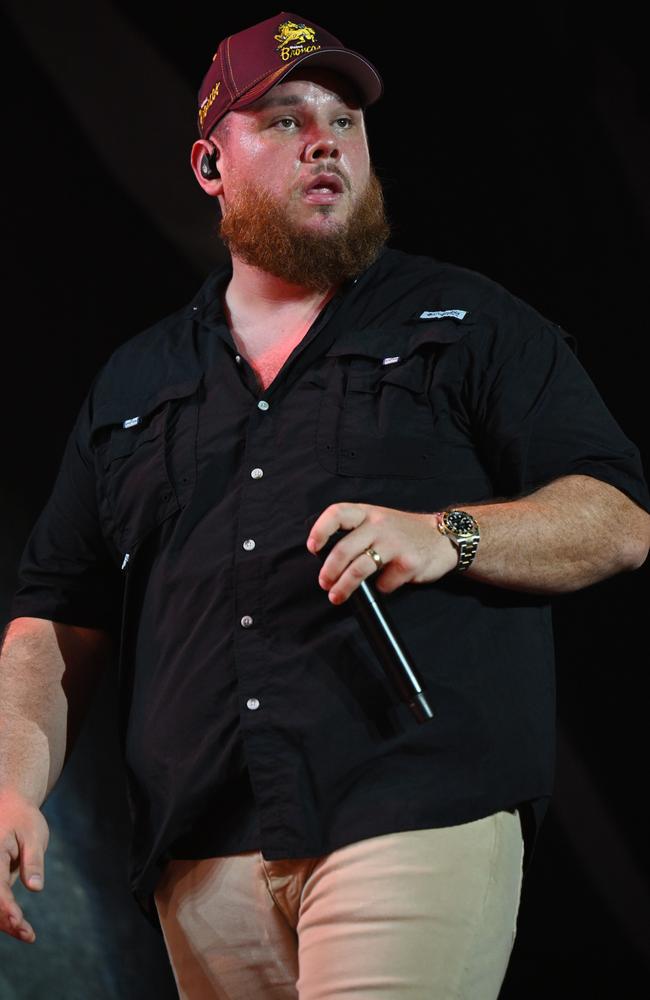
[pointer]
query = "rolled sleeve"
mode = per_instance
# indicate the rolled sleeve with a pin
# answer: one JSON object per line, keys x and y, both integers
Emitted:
{"x": 539, "y": 416}
{"x": 67, "y": 572}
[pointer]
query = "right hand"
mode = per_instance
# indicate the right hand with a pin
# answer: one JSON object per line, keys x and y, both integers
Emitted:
{"x": 24, "y": 836}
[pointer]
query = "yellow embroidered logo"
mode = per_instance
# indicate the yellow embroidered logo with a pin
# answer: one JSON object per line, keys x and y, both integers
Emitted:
{"x": 208, "y": 102}
{"x": 295, "y": 40}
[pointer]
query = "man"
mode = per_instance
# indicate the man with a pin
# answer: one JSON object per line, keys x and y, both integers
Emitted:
{"x": 296, "y": 831}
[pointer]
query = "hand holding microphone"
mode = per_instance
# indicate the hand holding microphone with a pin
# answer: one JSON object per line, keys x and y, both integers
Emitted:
{"x": 390, "y": 649}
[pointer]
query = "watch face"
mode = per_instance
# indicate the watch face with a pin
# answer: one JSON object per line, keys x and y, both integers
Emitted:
{"x": 460, "y": 522}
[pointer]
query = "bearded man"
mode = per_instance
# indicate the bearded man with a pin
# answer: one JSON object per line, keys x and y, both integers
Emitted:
{"x": 299, "y": 831}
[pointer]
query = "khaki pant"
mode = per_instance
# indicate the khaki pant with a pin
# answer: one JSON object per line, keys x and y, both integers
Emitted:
{"x": 417, "y": 914}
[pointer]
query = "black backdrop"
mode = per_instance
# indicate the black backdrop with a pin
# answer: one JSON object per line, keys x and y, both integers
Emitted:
{"x": 517, "y": 147}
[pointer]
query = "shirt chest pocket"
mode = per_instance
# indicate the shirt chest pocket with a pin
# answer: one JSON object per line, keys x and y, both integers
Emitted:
{"x": 145, "y": 456}
{"x": 376, "y": 416}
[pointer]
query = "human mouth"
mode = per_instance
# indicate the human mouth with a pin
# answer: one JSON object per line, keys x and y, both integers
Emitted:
{"x": 324, "y": 189}
{"x": 323, "y": 196}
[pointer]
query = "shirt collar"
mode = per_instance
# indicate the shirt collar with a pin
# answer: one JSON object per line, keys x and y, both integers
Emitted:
{"x": 206, "y": 305}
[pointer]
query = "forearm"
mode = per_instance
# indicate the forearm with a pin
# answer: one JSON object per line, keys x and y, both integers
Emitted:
{"x": 567, "y": 535}
{"x": 33, "y": 709}
{"x": 47, "y": 674}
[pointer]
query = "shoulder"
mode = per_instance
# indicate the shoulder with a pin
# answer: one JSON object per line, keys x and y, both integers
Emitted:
{"x": 436, "y": 276}
{"x": 491, "y": 315}
{"x": 162, "y": 354}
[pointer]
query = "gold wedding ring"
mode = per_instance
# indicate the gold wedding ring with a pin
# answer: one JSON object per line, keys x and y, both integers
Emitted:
{"x": 375, "y": 557}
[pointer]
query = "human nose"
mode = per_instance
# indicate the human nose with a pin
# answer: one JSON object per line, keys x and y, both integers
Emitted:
{"x": 321, "y": 147}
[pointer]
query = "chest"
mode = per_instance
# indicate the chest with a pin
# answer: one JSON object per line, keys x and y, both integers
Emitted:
{"x": 392, "y": 432}
{"x": 267, "y": 364}
{"x": 266, "y": 349}
{"x": 266, "y": 360}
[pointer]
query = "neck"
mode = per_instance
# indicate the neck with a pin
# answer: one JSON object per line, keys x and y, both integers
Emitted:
{"x": 252, "y": 292}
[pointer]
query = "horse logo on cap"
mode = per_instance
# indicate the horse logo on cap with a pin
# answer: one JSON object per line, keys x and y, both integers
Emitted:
{"x": 295, "y": 40}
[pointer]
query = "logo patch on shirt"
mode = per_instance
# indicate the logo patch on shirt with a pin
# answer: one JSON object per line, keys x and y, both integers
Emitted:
{"x": 390, "y": 361}
{"x": 131, "y": 422}
{"x": 440, "y": 313}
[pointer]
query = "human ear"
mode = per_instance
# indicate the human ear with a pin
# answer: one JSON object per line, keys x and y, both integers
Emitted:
{"x": 203, "y": 159}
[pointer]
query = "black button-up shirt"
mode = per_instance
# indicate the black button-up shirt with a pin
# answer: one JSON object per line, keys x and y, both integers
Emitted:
{"x": 254, "y": 713}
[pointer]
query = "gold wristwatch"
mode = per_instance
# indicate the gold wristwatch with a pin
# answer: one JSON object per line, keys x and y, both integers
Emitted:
{"x": 463, "y": 530}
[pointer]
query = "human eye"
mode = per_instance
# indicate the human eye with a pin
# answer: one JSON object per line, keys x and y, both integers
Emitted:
{"x": 278, "y": 121}
{"x": 346, "y": 119}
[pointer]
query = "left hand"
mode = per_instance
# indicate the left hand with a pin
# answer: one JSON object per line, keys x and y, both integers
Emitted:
{"x": 411, "y": 548}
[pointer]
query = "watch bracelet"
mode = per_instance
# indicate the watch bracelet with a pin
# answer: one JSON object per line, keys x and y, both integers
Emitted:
{"x": 466, "y": 549}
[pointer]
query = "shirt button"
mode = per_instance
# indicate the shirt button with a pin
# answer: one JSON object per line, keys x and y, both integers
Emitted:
{"x": 257, "y": 473}
{"x": 253, "y": 703}
{"x": 262, "y": 405}
{"x": 247, "y": 621}
{"x": 249, "y": 544}
{"x": 238, "y": 358}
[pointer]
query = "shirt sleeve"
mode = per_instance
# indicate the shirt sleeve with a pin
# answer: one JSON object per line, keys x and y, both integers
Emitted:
{"x": 538, "y": 416}
{"x": 67, "y": 573}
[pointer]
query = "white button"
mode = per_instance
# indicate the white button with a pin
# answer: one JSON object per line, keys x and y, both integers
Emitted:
{"x": 262, "y": 405}
{"x": 249, "y": 544}
{"x": 238, "y": 358}
{"x": 247, "y": 621}
{"x": 253, "y": 703}
{"x": 257, "y": 473}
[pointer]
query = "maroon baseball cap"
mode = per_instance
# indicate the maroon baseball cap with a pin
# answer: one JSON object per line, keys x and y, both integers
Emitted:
{"x": 249, "y": 63}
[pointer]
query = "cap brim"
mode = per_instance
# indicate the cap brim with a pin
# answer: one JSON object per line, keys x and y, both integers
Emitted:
{"x": 349, "y": 64}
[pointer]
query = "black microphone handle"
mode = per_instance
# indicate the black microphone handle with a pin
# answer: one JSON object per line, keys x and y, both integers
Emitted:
{"x": 383, "y": 637}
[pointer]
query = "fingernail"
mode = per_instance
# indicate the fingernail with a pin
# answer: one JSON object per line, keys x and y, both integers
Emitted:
{"x": 35, "y": 881}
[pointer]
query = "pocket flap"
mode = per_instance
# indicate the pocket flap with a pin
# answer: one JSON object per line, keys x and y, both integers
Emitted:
{"x": 123, "y": 411}
{"x": 410, "y": 376}
{"x": 397, "y": 341}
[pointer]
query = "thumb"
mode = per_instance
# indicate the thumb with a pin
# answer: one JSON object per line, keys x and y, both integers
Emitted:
{"x": 32, "y": 866}
{"x": 34, "y": 874}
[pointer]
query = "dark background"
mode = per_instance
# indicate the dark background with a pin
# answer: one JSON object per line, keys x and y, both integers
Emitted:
{"x": 515, "y": 145}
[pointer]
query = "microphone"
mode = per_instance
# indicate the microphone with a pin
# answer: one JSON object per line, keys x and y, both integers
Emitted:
{"x": 382, "y": 635}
